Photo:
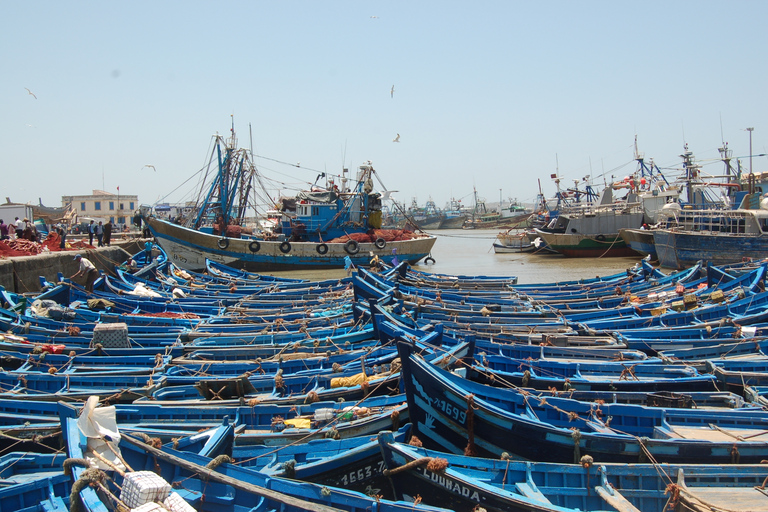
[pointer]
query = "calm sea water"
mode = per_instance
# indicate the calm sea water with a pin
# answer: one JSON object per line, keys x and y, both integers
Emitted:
{"x": 470, "y": 252}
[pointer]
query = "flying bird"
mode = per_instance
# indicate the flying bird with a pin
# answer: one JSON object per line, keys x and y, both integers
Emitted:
{"x": 374, "y": 17}
{"x": 396, "y": 139}
{"x": 152, "y": 166}
{"x": 30, "y": 92}
{"x": 392, "y": 91}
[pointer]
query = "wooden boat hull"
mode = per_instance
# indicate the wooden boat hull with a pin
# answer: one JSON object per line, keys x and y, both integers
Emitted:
{"x": 452, "y": 414}
{"x": 587, "y": 246}
{"x": 458, "y": 482}
{"x": 678, "y": 250}
{"x": 189, "y": 249}
{"x": 640, "y": 241}
{"x": 432, "y": 222}
{"x": 453, "y": 222}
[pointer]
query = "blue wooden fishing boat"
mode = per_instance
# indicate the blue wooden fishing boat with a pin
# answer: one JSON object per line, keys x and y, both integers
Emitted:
{"x": 736, "y": 374}
{"x": 588, "y": 376}
{"x": 379, "y": 375}
{"x": 123, "y": 387}
{"x": 34, "y": 482}
{"x": 454, "y": 414}
{"x": 228, "y": 272}
{"x": 501, "y": 484}
{"x": 354, "y": 464}
{"x": 217, "y": 487}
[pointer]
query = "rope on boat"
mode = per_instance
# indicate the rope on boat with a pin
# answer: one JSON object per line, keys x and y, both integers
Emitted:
{"x": 218, "y": 461}
{"x": 626, "y": 373}
{"x": 735, "y": 455}
{"x": 433, "y": 464}
{"x": 69, "y": 462}
{"x": 91, "y": 476}
{"x": 289, "y": 468}
{"x": 151, "y": 441}
{"x": 576, "y": 435}
{"x": 395, "y": 417}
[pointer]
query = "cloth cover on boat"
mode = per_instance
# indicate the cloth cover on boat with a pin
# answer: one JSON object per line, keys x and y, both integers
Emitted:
{"x": 99, "y": 425}
{"x": 354, "y": 380}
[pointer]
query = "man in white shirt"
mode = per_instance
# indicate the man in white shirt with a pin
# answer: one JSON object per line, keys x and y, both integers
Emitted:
{"x": 88, "y": 270}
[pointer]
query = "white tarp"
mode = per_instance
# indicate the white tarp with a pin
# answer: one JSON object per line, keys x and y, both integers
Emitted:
{"x": 99, "y": 425}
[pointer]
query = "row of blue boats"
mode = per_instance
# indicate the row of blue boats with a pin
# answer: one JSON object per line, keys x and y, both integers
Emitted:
{"x": 389, "y": 389}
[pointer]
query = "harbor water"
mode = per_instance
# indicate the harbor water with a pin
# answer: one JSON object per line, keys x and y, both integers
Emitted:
{"x": 470, "y": 252}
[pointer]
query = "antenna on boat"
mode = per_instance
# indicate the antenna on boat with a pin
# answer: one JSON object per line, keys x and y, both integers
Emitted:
{"x": 250, "y": 136}
{"x": 232, "y": 132}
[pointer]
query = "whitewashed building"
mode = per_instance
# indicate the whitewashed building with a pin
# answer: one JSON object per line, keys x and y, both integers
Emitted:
{"x": 104, "y": 206}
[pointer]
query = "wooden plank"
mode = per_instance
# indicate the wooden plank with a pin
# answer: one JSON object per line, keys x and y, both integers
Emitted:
{"x": 725, "y": 498}
{"x": 615, "y": 499}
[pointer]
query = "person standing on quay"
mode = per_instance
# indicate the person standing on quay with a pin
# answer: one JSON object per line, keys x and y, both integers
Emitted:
{"x": 63, "y": 236}
{"x": 3, "y": 230}
{"x": 19, "y": 227}
{"x": 91, "y": 232}
{"x": 88, "y": 270}
{"x": 107, "y": 233}
{"x": 100, "y": 234}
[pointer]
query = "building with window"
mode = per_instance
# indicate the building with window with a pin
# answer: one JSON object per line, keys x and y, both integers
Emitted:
{"x": 174, "y": 212}
{"x": 104, "y": 206}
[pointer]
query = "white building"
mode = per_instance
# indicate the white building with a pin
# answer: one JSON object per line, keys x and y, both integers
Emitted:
{"x": 104, "y": 206}
{"x": 175, "y": 210}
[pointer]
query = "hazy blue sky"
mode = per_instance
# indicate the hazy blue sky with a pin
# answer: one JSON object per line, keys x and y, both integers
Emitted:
{"x": 491, "y": 94}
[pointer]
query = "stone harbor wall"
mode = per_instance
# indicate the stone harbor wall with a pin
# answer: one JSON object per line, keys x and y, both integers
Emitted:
{"x": 21, "y": 274}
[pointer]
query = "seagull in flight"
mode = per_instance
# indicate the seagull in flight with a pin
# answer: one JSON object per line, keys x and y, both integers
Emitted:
{"x": 152, "y": 166}
{"x": 396, "y": 139}
{"x": 392, "y": 91}
{"x": 31, "y": 93}
{"x": 374, "y": 17}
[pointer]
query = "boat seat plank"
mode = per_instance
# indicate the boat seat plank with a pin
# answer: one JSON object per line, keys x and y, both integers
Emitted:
{"x": 665, "y": 433}
{"x": 727, "y": 498}
{"x": 616, "y": 500}
{"x": 598, "y": 427}
{"x": 718, "y": 435}
{"x": 530, "y": 491}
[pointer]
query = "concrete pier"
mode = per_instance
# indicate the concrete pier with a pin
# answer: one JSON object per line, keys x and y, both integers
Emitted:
{"x": 21, "y": 274}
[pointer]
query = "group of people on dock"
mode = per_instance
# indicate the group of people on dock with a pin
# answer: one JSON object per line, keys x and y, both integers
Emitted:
{"x": 18, "y": 229}
{"x": 102, "y": 232}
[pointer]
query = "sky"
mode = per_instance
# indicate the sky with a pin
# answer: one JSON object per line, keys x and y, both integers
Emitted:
{"x": 492, "y": 96}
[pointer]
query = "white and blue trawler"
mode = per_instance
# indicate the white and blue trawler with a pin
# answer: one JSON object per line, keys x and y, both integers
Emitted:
{"x": 318, "y": 228}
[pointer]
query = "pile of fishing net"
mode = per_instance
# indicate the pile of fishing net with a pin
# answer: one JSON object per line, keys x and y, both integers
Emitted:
{"x": 388, "y": 235}
{"x": 19, "y": 247}
{"x": 52, "y": 243}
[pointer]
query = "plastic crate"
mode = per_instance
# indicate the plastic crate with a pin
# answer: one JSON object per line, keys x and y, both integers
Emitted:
{"x": 175, "y": 503}
{"x": 111, "y": 335}
{"x": 142, "y": 487}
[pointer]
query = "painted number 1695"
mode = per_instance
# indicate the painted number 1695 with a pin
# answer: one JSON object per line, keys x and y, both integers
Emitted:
{"x": 451, "y": 410}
